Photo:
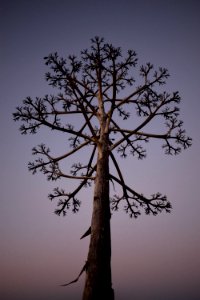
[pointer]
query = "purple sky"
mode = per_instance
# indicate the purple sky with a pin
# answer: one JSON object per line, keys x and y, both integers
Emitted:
{"x": 154, "y": 258}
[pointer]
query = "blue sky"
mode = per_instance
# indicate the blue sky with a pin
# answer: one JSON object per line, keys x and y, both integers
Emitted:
{"x": 154, "y": 258}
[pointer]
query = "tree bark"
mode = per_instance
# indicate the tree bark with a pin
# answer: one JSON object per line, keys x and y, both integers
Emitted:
{"x": 98, "y": 283}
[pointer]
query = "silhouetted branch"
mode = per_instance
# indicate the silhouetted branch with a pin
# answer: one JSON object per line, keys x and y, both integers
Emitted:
{"x": 88, "y": 232}
{"x": 84, "y": 269}
{"x": 66, "y": 199}
{"x": 51, "y": 167}
{"x": 37, "y": 114}
{"x": 135, "y": 201}
{"x": 120, "y": 175}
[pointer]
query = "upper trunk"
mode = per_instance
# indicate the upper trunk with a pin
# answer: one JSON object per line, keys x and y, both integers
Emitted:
{"x": 98, "y": 283}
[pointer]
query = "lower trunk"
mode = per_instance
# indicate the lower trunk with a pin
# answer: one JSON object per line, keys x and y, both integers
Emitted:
{"x": 98, "y": 283}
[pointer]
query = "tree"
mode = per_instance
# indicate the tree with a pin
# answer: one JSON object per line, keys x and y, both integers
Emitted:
{"x": 92, "y": 90}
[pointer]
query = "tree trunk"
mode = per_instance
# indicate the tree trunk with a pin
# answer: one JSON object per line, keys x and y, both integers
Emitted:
{"x": 98, "y": 283}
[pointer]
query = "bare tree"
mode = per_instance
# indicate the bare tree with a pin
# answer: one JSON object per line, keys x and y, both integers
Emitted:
{"x": 92, "y": 90}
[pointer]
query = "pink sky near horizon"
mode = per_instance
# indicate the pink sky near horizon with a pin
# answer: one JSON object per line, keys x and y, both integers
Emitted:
{"x": 153, "y": 258}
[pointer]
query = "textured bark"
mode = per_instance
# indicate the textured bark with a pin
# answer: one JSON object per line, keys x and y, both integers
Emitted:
{"x": 98, "y": 283}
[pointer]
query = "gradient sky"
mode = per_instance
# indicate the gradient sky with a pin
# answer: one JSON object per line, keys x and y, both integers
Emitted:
{"x": 153, "y": 258}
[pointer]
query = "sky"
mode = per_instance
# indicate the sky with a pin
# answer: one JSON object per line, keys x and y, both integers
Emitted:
{"x": 153, "y": 258}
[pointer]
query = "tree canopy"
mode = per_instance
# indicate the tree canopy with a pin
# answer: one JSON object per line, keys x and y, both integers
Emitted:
{"x": 101, "y": 86}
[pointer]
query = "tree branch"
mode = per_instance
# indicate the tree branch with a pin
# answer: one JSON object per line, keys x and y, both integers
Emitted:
{"x": 153, "y": 205}
{"x": 65, "y": 203}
